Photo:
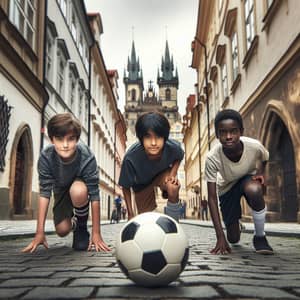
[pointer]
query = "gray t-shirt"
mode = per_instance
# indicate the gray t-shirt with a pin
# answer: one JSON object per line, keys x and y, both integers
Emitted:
{"x": 223, "y": 171}
{"x": 138, "y": 171}
{"x": 56, "y": 175}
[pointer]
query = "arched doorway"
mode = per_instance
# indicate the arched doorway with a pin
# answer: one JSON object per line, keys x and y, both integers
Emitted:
{"x": 21, "y": 174}
{"x": 282, "y": 189}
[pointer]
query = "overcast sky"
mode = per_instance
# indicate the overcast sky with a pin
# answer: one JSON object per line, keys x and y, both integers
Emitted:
{"x": 153, "y": 21}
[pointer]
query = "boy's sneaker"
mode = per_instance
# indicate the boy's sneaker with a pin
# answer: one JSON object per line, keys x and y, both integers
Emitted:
{"x": 81, "y": 238}
{"x": 261, "y": 245}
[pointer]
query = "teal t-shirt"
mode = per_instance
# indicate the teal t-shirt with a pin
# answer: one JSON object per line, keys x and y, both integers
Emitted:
{"x": 138, "y": 171}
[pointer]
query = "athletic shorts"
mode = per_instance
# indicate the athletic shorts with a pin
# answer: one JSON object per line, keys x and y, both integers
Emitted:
{"x": 63, "y": 207}
{"x": 230, "y": 202}
{"x": 145, "y": 199}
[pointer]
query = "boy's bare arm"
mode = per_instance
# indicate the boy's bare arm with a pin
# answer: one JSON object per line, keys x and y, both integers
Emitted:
{"x": 222, "y": 245}
{"x": 97, "y": 240}
{"x": 174, "y": 169}
{"x": 127, "y": 197}
{"x": 40, "y": 238}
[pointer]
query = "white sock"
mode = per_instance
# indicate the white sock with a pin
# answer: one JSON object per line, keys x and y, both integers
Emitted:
{"x": 259, "y": 218}
{"x": 173, "y": 210}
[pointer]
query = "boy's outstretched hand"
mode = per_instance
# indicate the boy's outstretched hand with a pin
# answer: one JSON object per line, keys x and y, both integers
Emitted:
{"x": 39, "y": 239}
{"x": 97, "y": 243}
{"x": 222, "y": 247}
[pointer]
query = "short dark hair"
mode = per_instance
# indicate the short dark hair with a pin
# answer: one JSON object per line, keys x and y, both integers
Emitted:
{"x": 154, "y": 121}
{"x": 62, "y": 124}
{"x": 228, "y": 114}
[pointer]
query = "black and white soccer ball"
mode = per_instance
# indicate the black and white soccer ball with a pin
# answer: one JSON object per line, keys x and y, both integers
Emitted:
{"x": 152, "y": 249}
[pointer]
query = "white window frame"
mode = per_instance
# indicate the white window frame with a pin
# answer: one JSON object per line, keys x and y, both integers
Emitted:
{"x": 234, "y": 55}
{"x": 23, "y": 15}
{"x": 224, "y": 77}
{"x": 61, "y": 67}
{"x": 73, "y": 27}
{"x": 63, "y": 7}
{"x": 249, "y": 22}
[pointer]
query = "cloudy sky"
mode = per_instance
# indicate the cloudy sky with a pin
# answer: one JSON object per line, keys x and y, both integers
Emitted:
{"x": 149, "y": 23}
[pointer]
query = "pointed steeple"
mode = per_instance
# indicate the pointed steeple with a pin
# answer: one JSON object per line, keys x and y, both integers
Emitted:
{"x": 133, "y": 65}
{"x": 167, "y": 68}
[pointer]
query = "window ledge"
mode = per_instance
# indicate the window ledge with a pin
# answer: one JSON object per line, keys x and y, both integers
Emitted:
{"x": 235, "y": 83}
{"x": 270, "y": 14}
{"x": 250, "y": 51}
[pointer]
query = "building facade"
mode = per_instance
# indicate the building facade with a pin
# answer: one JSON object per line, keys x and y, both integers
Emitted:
{"x": 108, "y": 135}
{"x": 246, "y": 55}
{"x": 68, "y": 44}
{"x": 22, "y": 101}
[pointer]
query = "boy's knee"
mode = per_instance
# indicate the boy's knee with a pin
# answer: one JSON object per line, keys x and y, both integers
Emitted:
{"x": 78, "y": 193}
{"x": 63, "y": 228}
{"x": 254, "y": 189}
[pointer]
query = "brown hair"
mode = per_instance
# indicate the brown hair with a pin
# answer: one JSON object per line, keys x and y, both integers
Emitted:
{"x": 62, "y": 124}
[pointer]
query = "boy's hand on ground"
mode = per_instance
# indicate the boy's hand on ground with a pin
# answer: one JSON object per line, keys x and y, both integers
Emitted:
{"x": 222, "y": 247}
{"x": 97, "y": 243}
{"x": 39, "y": 239}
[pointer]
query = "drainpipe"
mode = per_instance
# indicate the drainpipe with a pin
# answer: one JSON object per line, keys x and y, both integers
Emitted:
{"x": 44, "y": 79}
{"x": 90, "y": 94}
{"x": 206, "y": 89}
{"x": 199, "y": 145}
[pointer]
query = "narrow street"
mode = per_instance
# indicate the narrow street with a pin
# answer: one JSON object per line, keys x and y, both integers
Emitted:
{"x": 61, "y": 273}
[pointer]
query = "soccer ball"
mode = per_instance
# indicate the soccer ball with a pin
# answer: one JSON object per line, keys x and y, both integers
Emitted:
{"x": 152, "y": 249}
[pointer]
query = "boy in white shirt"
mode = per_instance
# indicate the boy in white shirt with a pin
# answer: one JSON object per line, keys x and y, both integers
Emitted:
{"x": 235, "y": 168}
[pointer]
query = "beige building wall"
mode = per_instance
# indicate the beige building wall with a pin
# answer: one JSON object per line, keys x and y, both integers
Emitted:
{"x": 22, "y": 100}
{"x": 253, "y": 66}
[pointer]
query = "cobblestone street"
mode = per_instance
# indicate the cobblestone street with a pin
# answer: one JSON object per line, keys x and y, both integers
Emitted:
{"x": 61, "y": 273}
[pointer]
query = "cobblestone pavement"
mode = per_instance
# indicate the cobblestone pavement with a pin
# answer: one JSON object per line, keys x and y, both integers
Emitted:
{"x": 61, "y": 273}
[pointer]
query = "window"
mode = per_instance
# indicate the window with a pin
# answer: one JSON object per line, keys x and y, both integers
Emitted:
{"x": 168, "y": 94}
{"x": 60, "y": 76}
{"x": 74, "y": 28}
{"x": 216, "y": 95}
{"x": 249, "y": 22}
{"x": 63, "y": 7}
{"x": 72, "y": 85}
{"x": 49, "y": 59}
{"x": 224, "y": 80}
{"x": 80, "y": 46}
{"x": 234, "y": 55}
{"x": 133, "y": 95}
{"x": 23, "y": 15}
{"x": 86, "y": 113}
{"x": 80, "y": 103}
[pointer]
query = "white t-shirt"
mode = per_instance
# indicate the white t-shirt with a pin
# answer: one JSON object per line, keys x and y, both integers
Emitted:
{"x": 223, "y": 171}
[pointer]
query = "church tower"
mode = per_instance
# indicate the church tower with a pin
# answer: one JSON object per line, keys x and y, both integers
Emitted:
{"x": 134, "y": 87}
{"x": 168, "y": 86}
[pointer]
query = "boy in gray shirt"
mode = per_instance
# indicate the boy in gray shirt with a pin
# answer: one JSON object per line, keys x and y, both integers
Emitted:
{"x": 69, "y": 170}
{"x": 151, "y": 162}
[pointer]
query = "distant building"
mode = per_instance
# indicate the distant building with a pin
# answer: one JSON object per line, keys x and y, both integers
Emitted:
{"x": 138, "y": 102}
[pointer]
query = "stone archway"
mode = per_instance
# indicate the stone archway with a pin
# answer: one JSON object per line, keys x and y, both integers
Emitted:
{"x": 21, "y": 174}
{"x": 281, "y": 196}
